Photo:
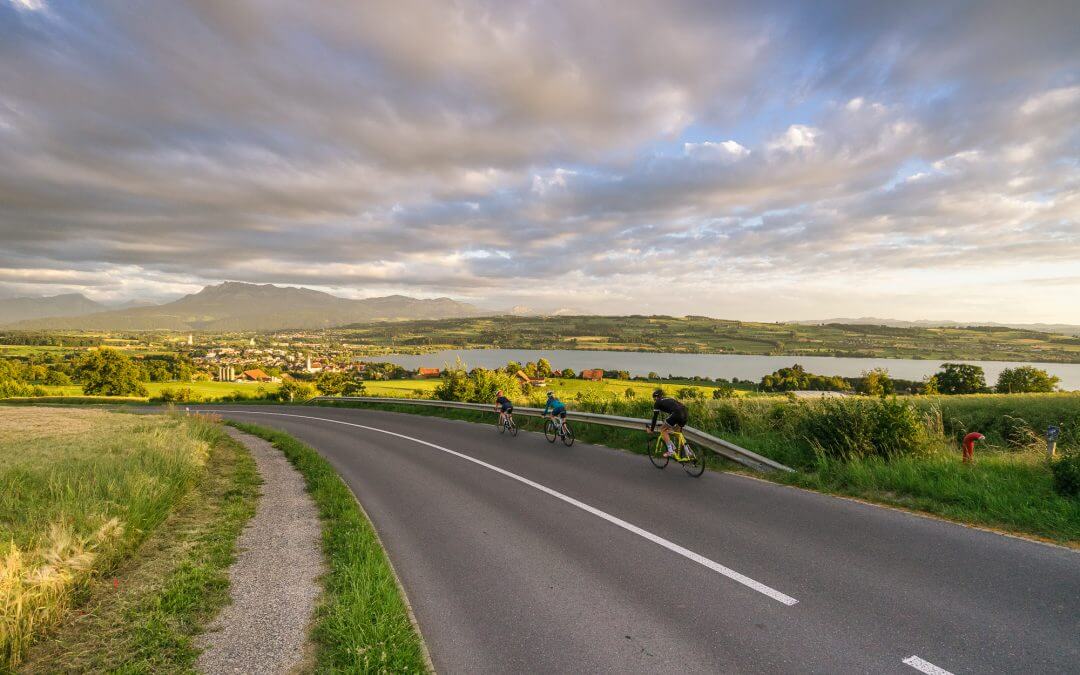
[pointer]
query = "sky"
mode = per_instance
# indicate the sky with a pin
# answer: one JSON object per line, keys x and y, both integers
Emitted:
{"x": 747, "y": 160}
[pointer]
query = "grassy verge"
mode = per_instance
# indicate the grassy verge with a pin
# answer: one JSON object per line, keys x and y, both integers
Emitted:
{"x": 363, "y": 623}
{"x": 81, "y": 493}
{"x": 144, "y": 616}
{"x": 1005, "y": 489}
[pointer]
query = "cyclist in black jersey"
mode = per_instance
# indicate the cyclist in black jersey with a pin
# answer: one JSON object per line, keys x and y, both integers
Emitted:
{"x": 503, "y": 406}
{"x": 677, "y": 416}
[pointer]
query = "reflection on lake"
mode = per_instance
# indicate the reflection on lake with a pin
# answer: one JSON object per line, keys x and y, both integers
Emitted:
{"x": 744, "y": 367}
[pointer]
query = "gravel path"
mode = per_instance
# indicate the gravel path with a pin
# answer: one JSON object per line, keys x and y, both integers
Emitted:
{"x": 274, "y": 579}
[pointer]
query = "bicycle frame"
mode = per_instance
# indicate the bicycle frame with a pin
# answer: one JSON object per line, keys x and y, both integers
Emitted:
{"x": 680, "y": 442}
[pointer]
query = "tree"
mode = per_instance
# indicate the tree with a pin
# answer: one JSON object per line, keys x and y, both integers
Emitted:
{"x": 1025, "y": 380}
{"x": 960, "y": 378}
{"x": 876, "y": 382}
{"x": 653, "y": 375}
{"x": 354, "y": 388}
{"x": 57, "y": 378}
{"x": 690, "y": 393}
{"x": 569, "y": 373}
{"x": 630, "y": 393}
{"x": 295, "y": 390}
{"x": 724, "y": 391}
{"x": 108, "y": 372}
{"x": 543, "y": 368}
{"x": 331, "y": 383}
{"x": 512, "y": 367}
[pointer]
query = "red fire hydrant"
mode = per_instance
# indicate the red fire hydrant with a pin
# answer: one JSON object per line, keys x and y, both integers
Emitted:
{"x": 969, "y": 445}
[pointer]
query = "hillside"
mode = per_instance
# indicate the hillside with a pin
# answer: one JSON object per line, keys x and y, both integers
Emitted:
{"x": 233, "y": 306}
{"x": 67, "y": 305}
{"x": 697, "y": 334}
{"x": 1062, "y": 328}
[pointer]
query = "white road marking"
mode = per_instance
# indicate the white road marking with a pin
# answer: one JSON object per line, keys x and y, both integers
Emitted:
{"x": 645, "y": 534}
{"x": 925, "y": 666}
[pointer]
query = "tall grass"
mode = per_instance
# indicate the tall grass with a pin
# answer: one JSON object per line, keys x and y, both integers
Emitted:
{"x": 79, "y": 490}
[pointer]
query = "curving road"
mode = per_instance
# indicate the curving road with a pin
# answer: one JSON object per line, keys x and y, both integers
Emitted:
{"x": 520, "y": 556}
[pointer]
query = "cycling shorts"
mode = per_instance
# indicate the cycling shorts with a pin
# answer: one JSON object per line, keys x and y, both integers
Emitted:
{"x": 676, "y": 420}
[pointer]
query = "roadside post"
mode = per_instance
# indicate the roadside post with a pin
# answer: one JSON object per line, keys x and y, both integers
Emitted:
{"x": 1052, "y": 434}
{"x": 969, "y": 446}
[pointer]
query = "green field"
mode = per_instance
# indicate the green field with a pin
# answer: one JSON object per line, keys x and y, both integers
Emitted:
{"x": 207, "y": 390}
{"x": 566, "y": 388}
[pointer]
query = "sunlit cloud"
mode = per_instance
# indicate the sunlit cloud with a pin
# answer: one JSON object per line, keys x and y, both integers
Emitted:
{"x": 767, "y": 160}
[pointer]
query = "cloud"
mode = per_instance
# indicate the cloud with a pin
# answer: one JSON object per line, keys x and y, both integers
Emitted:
{"x": 484, "y": 149}
{"x": 797, "y": 136}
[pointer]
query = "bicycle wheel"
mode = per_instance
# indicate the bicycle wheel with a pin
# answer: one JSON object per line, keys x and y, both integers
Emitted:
{"x": 695, "y": 463}
{"x": 568, "y": 436}
{"x": 549, "y": 431}
{"x": 513, "y": 428}
{"x": 655, "y": 451}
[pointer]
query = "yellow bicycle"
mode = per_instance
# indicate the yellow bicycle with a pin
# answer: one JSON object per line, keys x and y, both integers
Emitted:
{"x": 692, "y": 459}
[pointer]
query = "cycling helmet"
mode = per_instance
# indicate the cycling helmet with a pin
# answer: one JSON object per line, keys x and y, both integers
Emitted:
{"x": 657, "y": 393}
{"x": 551, "y": 394}
{"x": 499, "y": 393}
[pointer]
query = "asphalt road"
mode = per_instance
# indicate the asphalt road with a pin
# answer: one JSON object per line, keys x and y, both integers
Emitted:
{"x": 521, "y": 556}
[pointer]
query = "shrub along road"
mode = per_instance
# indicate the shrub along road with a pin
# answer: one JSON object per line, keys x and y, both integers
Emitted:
{"x": 522, "y": 556}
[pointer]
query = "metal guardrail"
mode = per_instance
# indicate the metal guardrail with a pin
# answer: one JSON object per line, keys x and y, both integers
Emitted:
{"x": 718, "y": 445}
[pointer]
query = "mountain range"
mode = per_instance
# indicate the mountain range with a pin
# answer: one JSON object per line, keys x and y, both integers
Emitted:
{"x": 1067, "y": 329}
{"x": 232, "y": 306}
{"x": 69, "y": 304}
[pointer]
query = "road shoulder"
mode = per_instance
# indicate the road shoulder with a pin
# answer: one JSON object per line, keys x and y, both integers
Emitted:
{"x": 275, "y": 579}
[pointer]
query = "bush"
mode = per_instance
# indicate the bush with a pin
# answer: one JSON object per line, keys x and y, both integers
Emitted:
{"x": 1066, "y": 470}
{"x": 181, "y": 395}
{"x": 476, "y": 386}
{"x": 856, "y": 428}
{"x": 294, "y": 390}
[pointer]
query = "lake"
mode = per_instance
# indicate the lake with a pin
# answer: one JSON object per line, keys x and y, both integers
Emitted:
{"x": 744, "y": 367}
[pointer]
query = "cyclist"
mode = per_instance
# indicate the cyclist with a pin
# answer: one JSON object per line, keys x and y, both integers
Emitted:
{"x": 555, "y": 408}
{"x": 503, "y": 406}
{"x": 677, "y": 416}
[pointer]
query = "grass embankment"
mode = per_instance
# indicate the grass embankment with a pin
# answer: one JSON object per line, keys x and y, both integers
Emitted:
{"x": 130, "y": 518}
{"x": 363, "y": 623}
{"x": 902, "y": 452}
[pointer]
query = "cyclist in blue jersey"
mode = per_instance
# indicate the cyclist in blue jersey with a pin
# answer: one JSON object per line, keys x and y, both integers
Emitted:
{"x": 555, "y": 408}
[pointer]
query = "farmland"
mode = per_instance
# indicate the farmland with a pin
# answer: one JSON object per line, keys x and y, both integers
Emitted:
{"x": 706, "y": 335}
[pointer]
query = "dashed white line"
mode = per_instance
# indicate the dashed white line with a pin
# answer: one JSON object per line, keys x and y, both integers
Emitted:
{"x": 925, "y": 666}
{"x": 645, "y": 534}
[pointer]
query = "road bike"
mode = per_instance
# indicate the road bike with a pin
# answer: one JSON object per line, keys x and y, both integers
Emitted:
{"x": 692, "y": 459}
{"x": 561, "y": 429}
{"x": 506, "y": 423}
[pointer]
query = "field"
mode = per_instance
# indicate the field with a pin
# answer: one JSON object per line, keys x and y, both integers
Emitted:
{"x": 564, "y": 388}
{"x": 568, "y": 388}
{"x": 208, "y": 390}
{"x": 705, "y": 335}
{"x": 79, "y": 491}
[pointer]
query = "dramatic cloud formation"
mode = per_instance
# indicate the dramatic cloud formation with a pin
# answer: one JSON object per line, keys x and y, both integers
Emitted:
{"x": 759, "y": 160}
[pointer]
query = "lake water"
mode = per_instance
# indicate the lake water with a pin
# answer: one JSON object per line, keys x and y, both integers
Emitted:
{"x": 744, "y": 367}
